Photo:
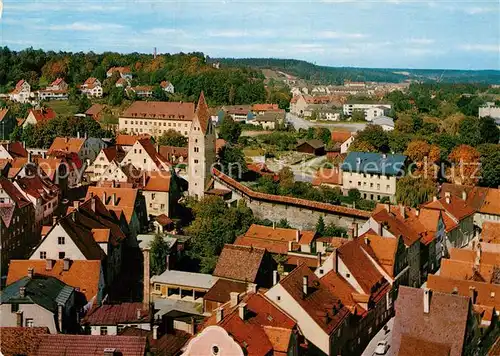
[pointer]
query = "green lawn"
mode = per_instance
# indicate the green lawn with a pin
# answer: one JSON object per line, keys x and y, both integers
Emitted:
{"x": 63, "y": 107}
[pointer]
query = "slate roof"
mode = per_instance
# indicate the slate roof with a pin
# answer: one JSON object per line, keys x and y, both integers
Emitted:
{"x": 17, "y": 341}
{"x": 220, "y": 291}
{"x": 90, "y": 345}
{"x": 47, "y": 292}
{"x": 241, "y": 263}
{"x": 82, "y": 274}
{"x": 374, "y": 163}
{"x": 445, "y": 323}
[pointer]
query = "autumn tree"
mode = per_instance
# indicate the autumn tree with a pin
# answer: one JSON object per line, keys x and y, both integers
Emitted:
{"x": 361, "y": 146}
{"x": 465, "y": 167}
{"x": 413, "y": 191}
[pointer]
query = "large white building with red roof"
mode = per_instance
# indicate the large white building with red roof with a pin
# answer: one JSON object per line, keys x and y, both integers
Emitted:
{"x": 21, "y": 93}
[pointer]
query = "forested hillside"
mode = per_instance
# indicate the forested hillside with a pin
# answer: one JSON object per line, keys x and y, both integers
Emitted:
{"x": 189, "y": 73}
{"x": 337, "y": 75}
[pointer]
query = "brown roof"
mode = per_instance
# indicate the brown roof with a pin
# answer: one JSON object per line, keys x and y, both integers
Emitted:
{"x": 163, "y": 220}
{"x": 169, "y": 152}
{"x": 82, "y": 274}
{"x": 160, "y": 110}
{"x": 220, "y": 291}
{"x": 486, "y": 293}
{"x": 90, "y": 345}
{"x": 95, "y": 109}
{"x": 331, "y": 176}
{"x": 446, "y": 321}
{"x": 320, "y": 303}
{"x": 239, "y": 262}
{"x": 44, "y": 114}
{"x": 121, "y": 70}
{"x": 113, "y": 314}
{"x": 15, "y": 149}
{"x": 276, "y": 247}
{"x": 412, "y": 346}
{"x": 17, "y": 341}
{"x": 341, "y": 288}
{"x": 307, "y": 204}
{"x": 491, "y": 232}
{"x": 396, "y": 225}
{"x": 71, "y": 144}
{"x": 128, "y": 140}
{"x": 314, "y": 143}
{"x": 219, "y": 143}
{"x": 202, "y": 114}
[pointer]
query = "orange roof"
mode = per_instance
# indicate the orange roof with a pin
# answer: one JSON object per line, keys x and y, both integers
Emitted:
{"x": 486, "y": 293}
{"x": 456, "y": 269}
{"x": 453, "y": 206}
{"x": 219, "y": 143}
{"x": 486, "y": 257}
{"x": 341, "y": 136}
{"x": 101, "y": 235}
{"x": 125, "y": 199}
{"x": 341, "y": 288}
{"x": 160, "y": 110}
{"x": 44, "y": 114}
{"x": 83, "y": 274}
{"x": 383, "y": 250}
{"x": 397, "y": 226}
{"x": 71, "y": 144}
{"x": 202, "y": 113}
{"x": 121, "y": 70}
{"x": 158, "y": 181}
{"x": 270, "y": 233}
{"x": 265, "y": 107}
{"x": 128, "y": 140}
{"x": 331, "y": 176}
{"x": 491, "y": 202}
{"x": 277, "y": 247}
{"x": 491, "y": 232}
{"x": 3, "y": 113}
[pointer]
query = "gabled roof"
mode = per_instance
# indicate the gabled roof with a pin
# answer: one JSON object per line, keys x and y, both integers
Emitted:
{"x": 491, "y": 202}
{"x": 453, "y": 210}
{"x": 90, "y": 345}
{"x": 121, "y": 70}
{"x": 95, "y": 109}
{"x": 15, "y": 149}
{"x": 150, "y": 149}
{"x": 17, "y": 197}
{"x": 47, "y": 292}
{"x": 445, "y": 323}
{"x": 114, "y": 314}
{"x": 374, "y": 163}
{"x": 43, "y": 115}
{"x": 383, "y": 120}
{"x": 239, "y": 262}
{"x": 396, "y": 225}
{"x": 220, "y": 291}
{"x": 128, "y": 140}
{"x": 39, "y": 187}
{"x": 186, "y": 279}
{"x": 466, "y": 255}
{"x": 82, "y": 274}
{"x": 314, "y": 143}
{"x": 456, "y": 269}
{"x": 66, "y": 144}
{"x": 341, "y": 136}
{"x": 265, "y": 107}
{"x": 322, "y": 306}
{"x": 382, "y": 250}
{"x": 412, "y": 346}
{"x": 20, "y": 341}
{"x": 125, "y": 197}
{"x": 331, "y": 176}
{"x": 342, "y": 289}
{"x": 3, "y": 113}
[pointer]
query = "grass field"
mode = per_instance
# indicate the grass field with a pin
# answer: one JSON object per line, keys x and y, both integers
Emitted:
{"x": 63, "y": 107}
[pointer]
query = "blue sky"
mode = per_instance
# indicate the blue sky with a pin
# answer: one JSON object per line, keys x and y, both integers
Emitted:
{"x": 383, "y": 33}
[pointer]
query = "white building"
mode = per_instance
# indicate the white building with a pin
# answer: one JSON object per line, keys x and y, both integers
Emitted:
{"x": 57, "y": 90}
{"x": 490, "y": 109}
{"x": 92, "y": 87}
{"x": 371, "y": 110}
{"x": 167, "y": 87}
{"x": 21, "y": 93}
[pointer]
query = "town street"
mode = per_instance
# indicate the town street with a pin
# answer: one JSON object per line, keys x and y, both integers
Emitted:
{"x": 381, "y": 335}
{"x": 300, "y": 123}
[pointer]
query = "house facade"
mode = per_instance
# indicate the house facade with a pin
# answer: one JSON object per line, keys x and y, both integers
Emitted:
{"x": 371, "y": 110}
{"x": 21, "y": 93}
{"x": 92, "y": 87}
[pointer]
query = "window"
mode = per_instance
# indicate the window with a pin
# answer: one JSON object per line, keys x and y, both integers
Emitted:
{"x": 104, "y": 330}
{"x": 60, "y": 240}
{"x": 157, "y": 287}
{"x": 197, "y": 149}
{"x": 195, "y": 161}
{"x": 144, "y": 160}
{"x": 359, "y": 184}
{"x": 278, "y": 298}
{"x": 153, "y": 196}
{"x": 14, "y": 307}
{"x": 62, "y": 255}
{"x": 387, "y": 187}
{"x": 29, "y": 323}
{"x": 135, "y": 150}
{"x": 43, "y": 255}
{"x": 162, "y": 206}
{"x": 378, "y": 186}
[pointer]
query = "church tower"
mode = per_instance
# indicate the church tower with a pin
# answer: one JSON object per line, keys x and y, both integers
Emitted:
{"x": 201, "y": 150}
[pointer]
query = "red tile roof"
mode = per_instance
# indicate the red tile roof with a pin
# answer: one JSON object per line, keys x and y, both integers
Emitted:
{"x": 90, "y": 345}
{"x": 220, "y": 291}
{"x": 341, "y": 288}
{"x": 160, "y": 110}
{"x": 332, "y": 176}
{"x": 456, "y": 209}
{"x": 121, "y": 70}
{"x": 95, "y": 110}
{"x": 3, "y": 113}
{"x": 486, "y": 257}
{"x": 17, "y": 341}
{"x": 43, "y": 115}
{"x": 445, "y": 323}
{"x": 65, "y": 144}
{"x": 325, "y": 308}
{"x": 169, "y": 152}
{"x": 15, "y": 149}
{"x": 158, "y": 181}
{"x": 265, "y": 107}
{"x": 306, "y": 204}
{"x": 163, "y": 220}
{"x": 113, "y": 314}
{"x": 411, "y": 346}
{"x": 341, "y": 136}
{"x": 128, "y": 140}
{"x": 491, "y": 232}
{"x": 456, "y": 269}
{"x": 239, "y": 262}
{"x": 82, "y": 274}
{"x": 397, "y": 226}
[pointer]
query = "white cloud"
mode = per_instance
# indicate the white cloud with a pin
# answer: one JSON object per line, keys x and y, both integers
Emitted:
{"x": 480, "y": 10}
{"x": 86, "y": 27}
{"x": 481, "y": 47}
{"x": 421, "y": 41}
{"x": 339, "y": 35}
{"x": 163, "y": 31}
{"x": 230, "y": 33}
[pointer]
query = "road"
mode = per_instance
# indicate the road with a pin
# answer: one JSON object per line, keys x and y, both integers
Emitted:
{"x": 300, "y": 123}
{"x": 381, "y": 335}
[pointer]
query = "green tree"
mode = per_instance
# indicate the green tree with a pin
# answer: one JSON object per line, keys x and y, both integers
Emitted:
{"x": 358, "y": 115}
{"x": 16, "y": 135}
{"x": 375, "y": 136}
{"x": 232, "y": 161}
{"x": 28, "y": 135}
{"x": 488, "y": 130}
{"x": 320, "y": 226}
{"x": 468, "y": 131}
{"x": 159, "y": 94}
{"x": 413, "y": 191}
{"x": 490, "y": 170}
{"x": 215, "y": 224}
{"x": 116, "y": 96}
{"x": 84, "y": 103}
{"x": 354, "y": 195}
{"x": 173, "y": 138}
{"x": 286, "y": 179}
{"x": 230, "y": 130}
{"x": 323, "y": 134}
{"x": 335, "y": 231}
{"x": 158, "y": 252}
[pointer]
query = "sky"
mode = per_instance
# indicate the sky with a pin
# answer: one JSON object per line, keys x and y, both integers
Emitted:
{"x": 439, "y": 34}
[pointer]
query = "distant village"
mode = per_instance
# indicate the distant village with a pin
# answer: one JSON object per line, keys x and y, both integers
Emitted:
{"x": 95, "y": 233}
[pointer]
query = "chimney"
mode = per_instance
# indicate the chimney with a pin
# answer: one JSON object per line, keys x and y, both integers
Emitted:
{"x": 31, "y": 272}
{"x": 403, "y": 211}
{"x": 242, "y": 310}
{"x": 464, "y": 195}
{"x": 49, "y": 264}
{"x": 276, "y": 277}
{"x": 60, "y": 317}
{"x": 66, "y": 264}
{"x": 104, "y": 198}
{"x": 367, "y": 241}
{"x": 78, "y": 134}
{"x": 114, "y": 199}
{"x": 146, "y": 283}
{"x": 380, "y": 229}
{"x": 290, "y": 244}
{"x": 109, "y": 351}
{"x": 427, "y": 300}
{"x": 417, "y": 212}
{"x": 143, "y": 179}
{"x": 219, "y": 315}
{"x": 54, "y": 220}
{"x": 274, "y": 225}
{"x": 138, "y": 315}
{"x": 472, "y": 294}
{"x": 29, "y": 156}
{"x": 355, "y": 228}
{"x": 447, "y": 194}
{"x": 235, "y": 298}
{"x": 92, "y": 204}
{"x": 448, "y": 200}
{"x": 252, "y": 288}
{"x": 477, "y": 262}
{"x": 304, "y": 285}
{"x": 318, "y": 255}
{"x": 167, "y": 263}
{"x": 434, "y": 198}
{"x": 19, "y": 318}
{"x": 297, "y": 235}
{"x": 192, "y": 329}
{"x": 22, "y": 292}
{"x": 76, "y": 204}
{"x": 350, "y": 234}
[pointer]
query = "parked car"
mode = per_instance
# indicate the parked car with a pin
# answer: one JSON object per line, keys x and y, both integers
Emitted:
{"x": 382, "y": 347}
